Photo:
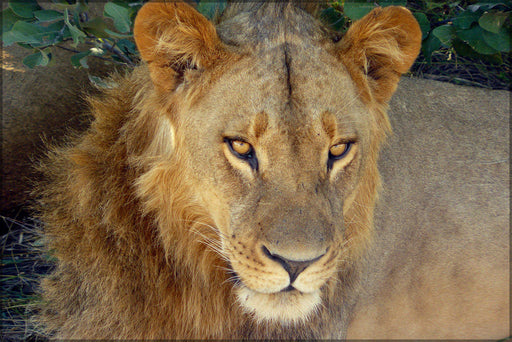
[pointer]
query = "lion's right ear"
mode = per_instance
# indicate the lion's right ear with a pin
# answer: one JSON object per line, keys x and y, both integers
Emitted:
{"x": 173, "y": 37}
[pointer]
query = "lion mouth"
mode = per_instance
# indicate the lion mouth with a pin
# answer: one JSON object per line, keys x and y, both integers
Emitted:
{"x": 289, "y": 288}
{"x": 272, "y": 289}
{"x": 288, "y": 306}
{"x": 237, "y": 282}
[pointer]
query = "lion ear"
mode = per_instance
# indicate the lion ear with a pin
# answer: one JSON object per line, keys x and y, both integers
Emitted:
{"x": 381, "y": 46}
{"x": 173, "y": 37}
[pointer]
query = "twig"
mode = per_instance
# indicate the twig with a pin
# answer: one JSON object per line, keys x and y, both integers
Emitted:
{"x": 67, "y": 49}
{"x": 112, "y": 49}
{"x": 76, "y": 51}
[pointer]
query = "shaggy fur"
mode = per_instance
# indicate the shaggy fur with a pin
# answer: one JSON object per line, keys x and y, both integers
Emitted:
{"x": 141, "y": 250}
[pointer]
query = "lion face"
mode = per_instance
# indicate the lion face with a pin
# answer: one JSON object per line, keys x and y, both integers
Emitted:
{"x": 275, "y": 168}
{"x": 278, "y": 151}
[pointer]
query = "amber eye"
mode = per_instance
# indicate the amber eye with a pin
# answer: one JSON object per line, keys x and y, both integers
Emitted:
{"x": 243, "y": 150}
{"x": 337, "y": 152}
{"x": 240, "y": 147}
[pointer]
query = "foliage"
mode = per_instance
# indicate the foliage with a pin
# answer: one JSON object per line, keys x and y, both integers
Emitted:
{"x": 466, "y": 28}
{"x": 40, "y": 29}
{"x": 480, "y": 30}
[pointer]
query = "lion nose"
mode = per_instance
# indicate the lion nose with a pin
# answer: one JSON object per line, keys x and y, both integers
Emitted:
{"x": 293, "y": 267}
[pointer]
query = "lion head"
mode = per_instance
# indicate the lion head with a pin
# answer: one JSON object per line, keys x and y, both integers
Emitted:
{"x": 226, "y": 186}
{"x": 275, "y": 124}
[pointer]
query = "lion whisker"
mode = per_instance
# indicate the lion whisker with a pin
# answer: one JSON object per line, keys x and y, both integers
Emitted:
{"x": 203, "y": 224}
{"x": 234, "y": 279}
{"x": 211, "y": 243}
{"x": 223, "y": 268}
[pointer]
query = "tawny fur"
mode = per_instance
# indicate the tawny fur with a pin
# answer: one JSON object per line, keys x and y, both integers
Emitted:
{"x": 139, "y": 255}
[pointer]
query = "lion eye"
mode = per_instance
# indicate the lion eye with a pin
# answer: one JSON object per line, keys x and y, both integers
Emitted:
{"x": 241, "y": 147}
{"x": 337, "y": 152}
{"x": 243, "y": 150}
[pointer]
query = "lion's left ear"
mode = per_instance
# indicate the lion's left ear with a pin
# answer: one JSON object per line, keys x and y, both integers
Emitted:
{"x": 380, "y": 47}
{"x": 173, "y": 37}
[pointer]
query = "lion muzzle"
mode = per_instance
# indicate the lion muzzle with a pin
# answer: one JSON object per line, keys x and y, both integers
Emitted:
{"x": 276, "y": 287}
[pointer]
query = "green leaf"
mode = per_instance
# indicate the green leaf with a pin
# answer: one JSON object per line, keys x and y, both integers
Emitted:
{"x": 473, "y": 37}
{"x": 112, "y": 34}
{"x": 357, "y": 9}
{"x": 60, "y": 29}
{"x": 454, "y": 4}
{"x": 120, "y": 15}
{"x": 385, "y": 3}
{"x": 498, "y": 41}
{"x": 424, "y": 23}
{"x": 80, "y": 59}
{"x": 431, "y": 44}
{"x": 127, "y": 46}
{"x": 96, "y": 27}
{"x": 431, "y": 5}
{"x": 445, "y": 34}
{"x": 334, "y": 19}
{"x": 493, "y": 22}
{"x": 32, "y": 60}
{"x": 57, "y": 25}
{"x": 25, "y": 46}
{"x": 464, "y": 49}
{"x": 48, "y": 15}
{"x": 81, "y": 6}
{"x": 76, "y": 19}
{"x": 24, "y": 8}
{"x": 77, "y": 35}
{"x": 465, "y": 19}
{"x": 484, "y": 6}
{"x": 23, "y": 32}
{"x": 40, "y": 58}
{"x": 8, "y": 19}
{"x": 209, "y": 8}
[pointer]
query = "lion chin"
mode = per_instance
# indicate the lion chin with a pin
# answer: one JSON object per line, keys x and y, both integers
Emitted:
{"x": 285, "y": 307}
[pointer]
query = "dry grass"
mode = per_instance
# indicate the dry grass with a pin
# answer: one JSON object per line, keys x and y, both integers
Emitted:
{"x": 23, "y": 263}
{"x": 449, "y": 67}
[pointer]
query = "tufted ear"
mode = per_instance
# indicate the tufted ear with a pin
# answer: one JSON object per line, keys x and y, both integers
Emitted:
{"x": 173, "y": 37}
{"x": 381, "y": 46}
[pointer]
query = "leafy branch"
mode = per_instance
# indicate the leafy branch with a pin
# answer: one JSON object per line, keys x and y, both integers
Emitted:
{"x": 466, "y": 28}
{"x": 40, "y": 30}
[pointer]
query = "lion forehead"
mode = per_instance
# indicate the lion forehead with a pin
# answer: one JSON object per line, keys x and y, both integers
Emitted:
{"x": 294, "y": 85}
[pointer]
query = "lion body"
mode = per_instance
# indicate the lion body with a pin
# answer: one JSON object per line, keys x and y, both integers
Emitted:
{"x": 439, "y": 263}
{"x": 163, "y": 228}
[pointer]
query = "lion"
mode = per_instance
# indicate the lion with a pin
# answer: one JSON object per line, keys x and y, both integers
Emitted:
{"x": 226, "y": 187}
